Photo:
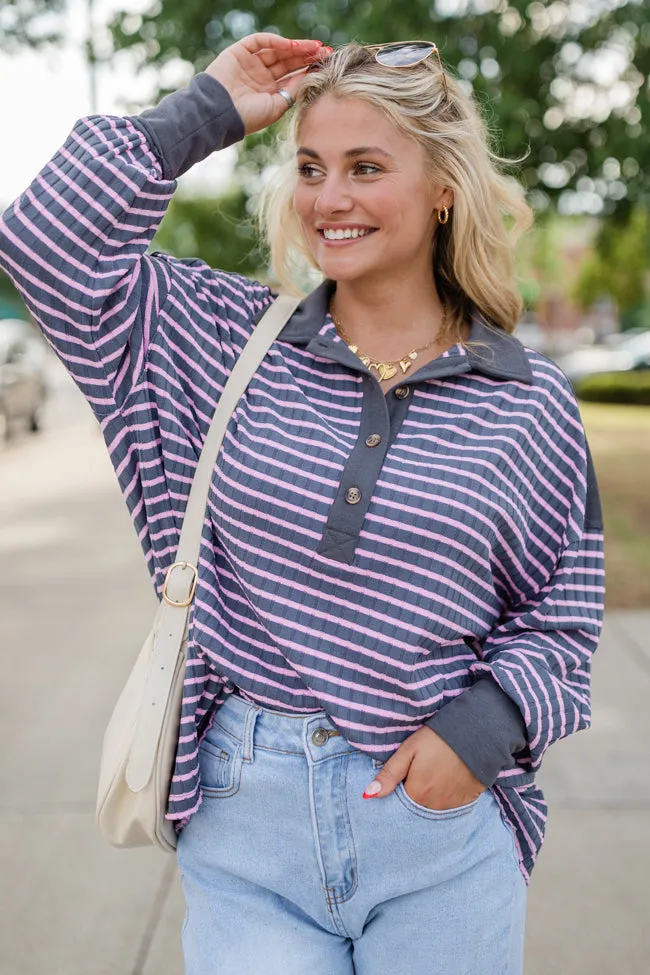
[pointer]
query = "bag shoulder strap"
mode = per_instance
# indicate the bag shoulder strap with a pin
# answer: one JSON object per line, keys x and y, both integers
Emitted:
{"x": 164, "y": 678}
{"x": 181, "y": 576}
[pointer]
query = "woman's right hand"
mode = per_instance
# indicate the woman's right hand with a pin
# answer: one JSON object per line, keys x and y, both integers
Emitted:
{"x": 252, "y": 71}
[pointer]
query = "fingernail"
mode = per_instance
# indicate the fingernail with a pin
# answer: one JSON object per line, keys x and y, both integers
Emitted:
{"x": 295, "y": 43}
{"x": 372, "y": 790}
{"x": 330, "y": 50}
{"x": 315, "y": 41}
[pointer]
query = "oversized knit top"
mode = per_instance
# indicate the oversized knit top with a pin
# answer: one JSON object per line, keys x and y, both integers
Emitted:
{"x": 430, "y": 555}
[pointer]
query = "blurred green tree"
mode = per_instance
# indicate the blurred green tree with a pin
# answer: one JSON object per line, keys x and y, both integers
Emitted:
{"x": 29, "y": 22}
{"x": 559, "y": 81}
{"x": 214, "y": 229}
{"x": 619, "y": 266}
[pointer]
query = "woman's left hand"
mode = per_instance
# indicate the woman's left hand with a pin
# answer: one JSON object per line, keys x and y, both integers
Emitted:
{"x": 433, "y": 774}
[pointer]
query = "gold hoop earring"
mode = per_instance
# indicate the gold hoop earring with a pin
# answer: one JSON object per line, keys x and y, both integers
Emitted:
{"x": 443, "y": 215}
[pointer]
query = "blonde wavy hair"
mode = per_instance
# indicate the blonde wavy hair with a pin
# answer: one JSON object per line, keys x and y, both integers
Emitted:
{"x": 473, "y": 255}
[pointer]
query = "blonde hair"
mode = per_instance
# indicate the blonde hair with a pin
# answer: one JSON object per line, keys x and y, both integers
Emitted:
{"x": 473, "y": 252}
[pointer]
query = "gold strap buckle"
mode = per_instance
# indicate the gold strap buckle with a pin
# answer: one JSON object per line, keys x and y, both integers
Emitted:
{"x": 185, "y": 602}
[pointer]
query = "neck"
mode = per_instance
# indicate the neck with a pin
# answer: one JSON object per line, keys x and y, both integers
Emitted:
{"x": 388, "y": 320}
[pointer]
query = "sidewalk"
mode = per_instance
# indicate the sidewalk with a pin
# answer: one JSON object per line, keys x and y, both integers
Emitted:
{"x": 75, "y": 601}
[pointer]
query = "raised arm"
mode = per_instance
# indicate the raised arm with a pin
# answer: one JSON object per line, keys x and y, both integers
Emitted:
{"x": 75, "y": 242}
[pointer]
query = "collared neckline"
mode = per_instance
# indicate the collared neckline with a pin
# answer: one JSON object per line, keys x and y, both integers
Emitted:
{"x": 501, "y": 355}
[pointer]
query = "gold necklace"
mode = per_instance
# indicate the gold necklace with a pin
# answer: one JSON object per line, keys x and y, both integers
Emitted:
{"x": 386, "y": 370}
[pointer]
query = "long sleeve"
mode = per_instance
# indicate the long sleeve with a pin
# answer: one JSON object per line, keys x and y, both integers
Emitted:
{"x": 532, "y": 679}
{"x": 149, "y": 339}
{"x": 75, "y": 242}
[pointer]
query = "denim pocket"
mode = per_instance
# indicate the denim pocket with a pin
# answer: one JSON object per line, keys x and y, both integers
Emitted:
{"x": 424, "y": 811}
{"x": 427, "y": 813}
{"x": 220, "y": 763}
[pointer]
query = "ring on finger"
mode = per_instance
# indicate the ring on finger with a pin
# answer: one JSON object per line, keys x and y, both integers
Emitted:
{"x": 287, "y": 97}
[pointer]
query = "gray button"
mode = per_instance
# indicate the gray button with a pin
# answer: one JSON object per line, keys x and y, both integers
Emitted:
{"x": 320, "y": 736}
{"x": 353, "y": 495}
{"x": 401, "y": 392}
{"x": 373, "y": 440}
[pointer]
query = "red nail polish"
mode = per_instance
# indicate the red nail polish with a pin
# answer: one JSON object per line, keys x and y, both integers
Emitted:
{"x": 366, "y": 796}
{"x": 295, "y": 43}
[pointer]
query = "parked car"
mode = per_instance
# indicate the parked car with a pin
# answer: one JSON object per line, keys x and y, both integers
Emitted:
{"x": 632, "y": 352}
{"x": 616, "y": 338}
{"x": 23, "y": 388}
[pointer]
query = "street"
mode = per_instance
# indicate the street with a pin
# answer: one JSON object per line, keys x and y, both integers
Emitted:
{"x": 76, "y": 602}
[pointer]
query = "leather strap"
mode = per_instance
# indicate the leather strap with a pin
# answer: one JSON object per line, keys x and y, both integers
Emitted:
{"x": 172, "y": 616}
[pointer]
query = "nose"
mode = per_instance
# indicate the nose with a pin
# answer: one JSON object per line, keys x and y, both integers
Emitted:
{"x": 333, "y": 197}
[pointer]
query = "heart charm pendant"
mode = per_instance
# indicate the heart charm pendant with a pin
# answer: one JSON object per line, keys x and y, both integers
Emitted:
{"x": 405, "y": 364}
{"x": 386, "y": 371}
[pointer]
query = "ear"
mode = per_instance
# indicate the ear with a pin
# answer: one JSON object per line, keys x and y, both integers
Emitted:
{"x": 446, "y": 198}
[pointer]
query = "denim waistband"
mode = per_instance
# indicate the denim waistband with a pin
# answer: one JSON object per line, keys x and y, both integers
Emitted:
{"x": 313, "y": 734}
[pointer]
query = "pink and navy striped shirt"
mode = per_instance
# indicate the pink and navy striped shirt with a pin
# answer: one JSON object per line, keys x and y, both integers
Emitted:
{"x": 432, "y": 555}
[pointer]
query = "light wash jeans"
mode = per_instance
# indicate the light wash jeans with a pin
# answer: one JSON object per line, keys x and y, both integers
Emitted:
{"x": 288, "y": 871}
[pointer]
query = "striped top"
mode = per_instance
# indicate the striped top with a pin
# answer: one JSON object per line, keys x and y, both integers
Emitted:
{"x": 430, "y": 555}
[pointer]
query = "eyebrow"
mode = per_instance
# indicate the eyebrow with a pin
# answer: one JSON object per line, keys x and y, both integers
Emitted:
{"x": 349, "y": 154}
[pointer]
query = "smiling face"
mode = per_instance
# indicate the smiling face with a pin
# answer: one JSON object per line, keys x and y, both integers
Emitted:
{"x": 363, "y": 196}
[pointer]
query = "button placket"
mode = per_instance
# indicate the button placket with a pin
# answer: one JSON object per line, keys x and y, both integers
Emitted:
{"x": 359, "y": 476}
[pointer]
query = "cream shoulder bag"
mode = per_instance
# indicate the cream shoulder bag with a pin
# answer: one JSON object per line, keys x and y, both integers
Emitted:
{"x": 140, "y": 743}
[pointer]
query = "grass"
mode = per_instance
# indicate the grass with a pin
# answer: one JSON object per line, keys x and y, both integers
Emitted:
{"x": 619, "y": 438}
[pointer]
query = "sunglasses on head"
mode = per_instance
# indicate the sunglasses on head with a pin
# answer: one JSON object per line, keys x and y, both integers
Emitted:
{"x": 403, "y": 54}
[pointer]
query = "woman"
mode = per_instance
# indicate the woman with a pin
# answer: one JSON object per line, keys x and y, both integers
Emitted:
{"x": 400, "y": 586}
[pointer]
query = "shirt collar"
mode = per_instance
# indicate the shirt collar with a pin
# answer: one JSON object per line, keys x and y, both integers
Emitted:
{"x": 500, "y": 355}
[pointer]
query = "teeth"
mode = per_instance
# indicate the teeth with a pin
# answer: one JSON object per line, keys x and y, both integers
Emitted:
{"x": 344, "y": 234}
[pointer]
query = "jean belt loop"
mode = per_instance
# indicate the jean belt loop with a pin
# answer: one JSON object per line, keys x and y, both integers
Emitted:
{"x": 249, "y": 733}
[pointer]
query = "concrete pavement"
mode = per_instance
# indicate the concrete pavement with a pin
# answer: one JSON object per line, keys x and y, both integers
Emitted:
{"x": 75, "y": 600}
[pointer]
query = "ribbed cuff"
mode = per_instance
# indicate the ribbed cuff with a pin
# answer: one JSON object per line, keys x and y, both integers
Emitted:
{"x": 190, "y": 124}
{"x": 484, "y": 727}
